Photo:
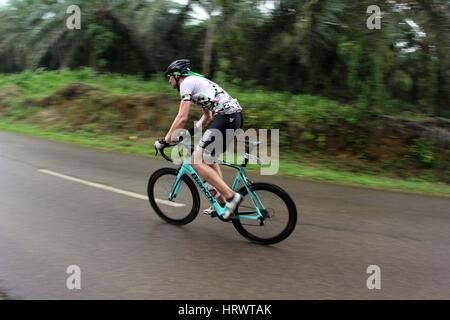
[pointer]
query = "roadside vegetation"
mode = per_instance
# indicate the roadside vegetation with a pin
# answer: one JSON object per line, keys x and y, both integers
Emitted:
{"x": 320, "y": 138}
{"x": 354, "y": 104}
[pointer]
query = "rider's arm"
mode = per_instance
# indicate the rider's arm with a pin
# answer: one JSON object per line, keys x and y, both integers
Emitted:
{"x": 205, "y": 120}
{"x": 180, "y": 120}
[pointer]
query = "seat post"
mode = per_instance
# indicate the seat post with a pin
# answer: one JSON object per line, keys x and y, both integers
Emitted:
{"x": 247, "y": 151}
{"x": 249, "y": 146}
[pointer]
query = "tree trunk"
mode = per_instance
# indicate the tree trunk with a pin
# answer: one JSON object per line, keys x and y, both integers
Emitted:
{"x": 207, "y": 52}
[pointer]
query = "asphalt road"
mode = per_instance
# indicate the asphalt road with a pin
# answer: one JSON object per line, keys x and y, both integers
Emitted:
{"x": 125, "y": 251}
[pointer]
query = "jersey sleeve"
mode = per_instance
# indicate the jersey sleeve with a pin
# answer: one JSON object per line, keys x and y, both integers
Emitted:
{"x": 186, "y": 90}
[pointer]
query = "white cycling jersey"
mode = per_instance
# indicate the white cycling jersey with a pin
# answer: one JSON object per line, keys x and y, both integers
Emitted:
{"x": 208, "y": 95}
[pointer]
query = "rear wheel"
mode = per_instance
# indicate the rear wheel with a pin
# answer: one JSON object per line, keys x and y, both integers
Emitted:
{"x": 181, "y": 210}
{"x": 279, "y": 210}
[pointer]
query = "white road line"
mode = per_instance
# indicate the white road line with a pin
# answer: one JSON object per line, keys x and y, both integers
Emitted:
{"x": 107, "y": 188}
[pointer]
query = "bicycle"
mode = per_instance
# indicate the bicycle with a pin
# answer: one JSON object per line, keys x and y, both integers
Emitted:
{"x": 173, "y": 189}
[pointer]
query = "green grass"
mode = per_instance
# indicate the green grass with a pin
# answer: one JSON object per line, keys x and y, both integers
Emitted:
{"x": 311, "y": 120}
{"x": 30, "y": 82}
{"x": 367, "y": 180}
{"x": 101, "y": 141}
{"x": 144, "y": 146}
{"x": 283, "y": 106}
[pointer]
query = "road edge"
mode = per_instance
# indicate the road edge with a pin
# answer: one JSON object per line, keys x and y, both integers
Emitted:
{"x": 305, "y": 178}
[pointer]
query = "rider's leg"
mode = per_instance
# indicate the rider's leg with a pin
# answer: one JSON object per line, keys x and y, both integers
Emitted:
{"x": 212, "y": 139}
{"x": 210, "y": 175}
{"x": 216, "y": 168}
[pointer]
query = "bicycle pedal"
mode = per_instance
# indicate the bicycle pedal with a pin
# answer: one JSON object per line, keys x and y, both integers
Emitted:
{"x": 212, "y": 215}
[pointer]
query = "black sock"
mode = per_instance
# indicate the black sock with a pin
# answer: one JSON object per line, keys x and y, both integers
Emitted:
{"x": 230, "y": 199}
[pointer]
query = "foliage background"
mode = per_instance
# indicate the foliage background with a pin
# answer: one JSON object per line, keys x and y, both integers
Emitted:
{"x": 373, "y": 101}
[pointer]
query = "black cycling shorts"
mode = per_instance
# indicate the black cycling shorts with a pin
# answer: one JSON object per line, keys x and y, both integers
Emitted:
{"x": 220, "y": 133}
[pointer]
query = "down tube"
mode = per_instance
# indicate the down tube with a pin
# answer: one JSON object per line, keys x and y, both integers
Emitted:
{"x": 177, "y": 184}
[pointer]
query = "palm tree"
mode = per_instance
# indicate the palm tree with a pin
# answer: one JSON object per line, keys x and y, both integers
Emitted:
{"x": 434, "y": 16}
{"x": 33, "y": 34}
{"x": 209, "y": 7}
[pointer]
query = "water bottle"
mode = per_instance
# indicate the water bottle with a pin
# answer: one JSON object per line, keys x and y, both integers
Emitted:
{"x": 212, "y": 190}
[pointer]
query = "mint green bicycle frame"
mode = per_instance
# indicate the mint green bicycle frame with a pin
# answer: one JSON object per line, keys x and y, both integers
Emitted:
{"x": 186, "y": 168}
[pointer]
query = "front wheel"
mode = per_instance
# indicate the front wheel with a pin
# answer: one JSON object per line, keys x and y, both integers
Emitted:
{"x": 180, "y": 210}
{"x": 278, "y": 208}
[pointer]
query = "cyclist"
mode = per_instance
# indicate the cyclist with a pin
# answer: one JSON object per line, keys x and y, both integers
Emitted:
{"x": 219, "y": 109}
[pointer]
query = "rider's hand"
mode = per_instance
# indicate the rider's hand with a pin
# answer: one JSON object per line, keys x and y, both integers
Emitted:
{"x": 161, "y": 143}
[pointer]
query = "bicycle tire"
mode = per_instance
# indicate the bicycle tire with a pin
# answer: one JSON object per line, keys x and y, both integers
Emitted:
{"x": 191, "y": 186}
{"x": 292, "y": 214}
